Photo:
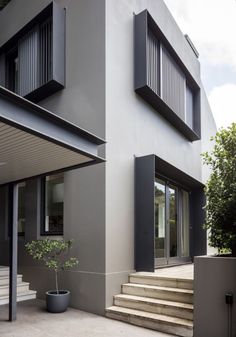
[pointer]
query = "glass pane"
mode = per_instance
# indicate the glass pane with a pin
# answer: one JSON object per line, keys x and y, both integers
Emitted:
{"x": 54, "y": 202}
{"x": 160, "y": 207}
{"x": 185, "y": 225}
{"x": 21, "y": 208}
{"x": 173, "y": 221}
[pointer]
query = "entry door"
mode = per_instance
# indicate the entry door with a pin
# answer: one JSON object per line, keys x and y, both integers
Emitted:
{"x": 171, "y": 224}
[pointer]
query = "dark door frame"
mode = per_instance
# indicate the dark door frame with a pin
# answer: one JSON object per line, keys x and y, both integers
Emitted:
{"x": 178, "y": 259}
{"x": 146, "y": 168}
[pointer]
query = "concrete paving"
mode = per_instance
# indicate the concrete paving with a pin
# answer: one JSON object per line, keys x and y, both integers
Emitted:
{"x": 185, "y": 271}
{"x": 34, "y": 321}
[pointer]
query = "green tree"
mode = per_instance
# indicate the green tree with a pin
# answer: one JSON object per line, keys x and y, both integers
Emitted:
{"x": 54, "y": 254}
{"x": 221, "y": 190}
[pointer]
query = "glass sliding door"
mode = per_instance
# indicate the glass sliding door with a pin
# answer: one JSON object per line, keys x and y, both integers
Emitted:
{"x": 171, "y": 223}
{"x": 185, "y": 225}
{"x": 160, "y": 219}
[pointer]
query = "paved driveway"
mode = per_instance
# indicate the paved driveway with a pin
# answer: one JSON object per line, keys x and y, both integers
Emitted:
{"x": 34, "y": 321}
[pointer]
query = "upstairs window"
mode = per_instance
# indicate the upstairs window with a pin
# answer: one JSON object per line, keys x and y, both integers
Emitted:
{"x": 34, "y": 57}
{"x": 162, "y": 79}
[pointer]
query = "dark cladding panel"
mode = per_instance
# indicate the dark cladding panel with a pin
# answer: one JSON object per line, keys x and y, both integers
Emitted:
{"x": 144, "y": 213}
{"x": 58, "y": 45}
{"x": 146, "y": 169}
{"x": 140, "y": 45}
{"x": 197, "y": 217}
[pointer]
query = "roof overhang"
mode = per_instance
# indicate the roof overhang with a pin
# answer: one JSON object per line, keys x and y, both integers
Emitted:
{"x": 35, "y": 142}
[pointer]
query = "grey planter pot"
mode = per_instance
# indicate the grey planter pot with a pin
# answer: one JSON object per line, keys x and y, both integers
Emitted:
{"x": 57, "y": 303}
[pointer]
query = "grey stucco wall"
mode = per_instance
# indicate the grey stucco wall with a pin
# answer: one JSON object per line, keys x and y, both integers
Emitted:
{"x": 133, "y": 128}
{"x": 213, "y": 278}
{"x": 99, "y": 96}
{"x": 81, "y": 102}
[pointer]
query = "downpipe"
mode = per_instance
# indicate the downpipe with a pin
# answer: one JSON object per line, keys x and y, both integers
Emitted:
{"x": 229, "y": 301}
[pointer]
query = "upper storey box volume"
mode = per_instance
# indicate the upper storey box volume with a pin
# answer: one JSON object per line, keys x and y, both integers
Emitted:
{"x": 32, "y": 62}
{"x": 162, "y": 79}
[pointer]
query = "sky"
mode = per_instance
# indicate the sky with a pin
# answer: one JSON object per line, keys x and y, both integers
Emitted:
{"x": 211, "y": 25}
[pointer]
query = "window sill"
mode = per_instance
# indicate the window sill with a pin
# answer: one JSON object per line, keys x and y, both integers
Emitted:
{"x": 44, "y": 91}
{"x": 161, "y": 107}
{"x": 52, "y": 234}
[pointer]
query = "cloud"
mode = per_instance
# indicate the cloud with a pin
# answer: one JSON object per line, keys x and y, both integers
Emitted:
{"x": 222, "y": 100}
{"x": 211, "y": 24}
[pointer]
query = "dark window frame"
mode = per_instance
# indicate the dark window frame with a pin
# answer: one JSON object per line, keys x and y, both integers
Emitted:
{"x": 43, "y": 213}
{"x": 143, "y": 24}
{"x": 57, "y": 80}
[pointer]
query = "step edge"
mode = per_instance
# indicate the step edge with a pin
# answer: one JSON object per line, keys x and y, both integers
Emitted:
{"x": 21, "y": 284}
{"x": 143, "y": 314}
{"x": 166, "y": 278}
{"x": 171, "y": 289}
{"x": 29, "y": 292}
{"x": 154, "y": 301}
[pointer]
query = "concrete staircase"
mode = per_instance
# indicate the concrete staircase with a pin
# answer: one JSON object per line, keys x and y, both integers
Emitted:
{"x": 156, "y": 302}
{"x": 23, "y": 291}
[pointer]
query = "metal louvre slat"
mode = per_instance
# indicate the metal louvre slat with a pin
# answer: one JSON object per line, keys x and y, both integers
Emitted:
{"x": 28, "y": 62}
{"x": 173, "y": 84}
{"x": 153, "y": 62}
{"x": 45, "y": 52}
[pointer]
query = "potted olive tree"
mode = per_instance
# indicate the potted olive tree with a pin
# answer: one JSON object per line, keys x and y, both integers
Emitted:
{"x": 55, "y": 255}
{"x": 215, "y": 275}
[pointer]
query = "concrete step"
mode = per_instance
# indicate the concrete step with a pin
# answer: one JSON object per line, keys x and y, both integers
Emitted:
{"x": 22, "y": 296}
{"x": 4, "y": 271}
{"x": 163, "y": 293}
{"x": 21, "y": 288}
{"x": 156, "y": 306}
{"x": 163, "y": 323}
{"x": 4, "y": 280}
{"x": 162, "y": 281}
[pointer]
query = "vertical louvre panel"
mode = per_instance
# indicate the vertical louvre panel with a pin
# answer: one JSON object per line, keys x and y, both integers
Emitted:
{"x": 28, "y": 62}
{"x": 173, "y": 84}
{"x": 45, "y": 47}
{"x": 153, "y": 62}
{"x": 189, "y": 107}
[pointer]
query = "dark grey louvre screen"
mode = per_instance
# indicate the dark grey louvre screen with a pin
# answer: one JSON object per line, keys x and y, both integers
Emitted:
{"x": 189, "y": 107}
{"x": 153, "y": 62}
{"x": 45, "y": 52}
{"x": 173, "y": 84}
{"x": 28, "y": 62}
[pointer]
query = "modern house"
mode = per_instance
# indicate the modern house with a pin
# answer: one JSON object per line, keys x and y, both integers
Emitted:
{"x": 123, "y": 71}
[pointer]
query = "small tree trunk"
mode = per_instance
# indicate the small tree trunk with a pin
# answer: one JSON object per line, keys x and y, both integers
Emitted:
{"x": 56, "y": 282}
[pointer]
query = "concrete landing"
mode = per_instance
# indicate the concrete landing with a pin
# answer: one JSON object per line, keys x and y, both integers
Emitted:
{"x": 33, "y": 320}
